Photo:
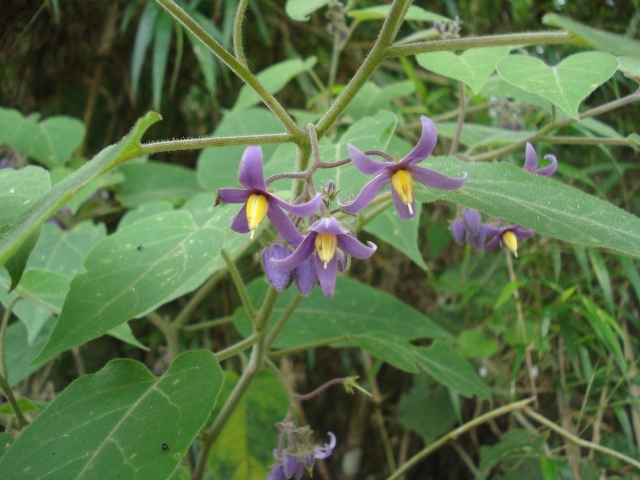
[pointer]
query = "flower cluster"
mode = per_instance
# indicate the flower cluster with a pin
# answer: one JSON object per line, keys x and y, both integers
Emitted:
{"x": 300, "y": 453}
{"x": 469, "y": 227}
{"x": 326, "y": 244}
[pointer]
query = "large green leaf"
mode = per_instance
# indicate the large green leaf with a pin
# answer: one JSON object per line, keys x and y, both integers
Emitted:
{"x": 20, "y": 352}
{"x": 473, "y": 67}
{"x": 48, "y": 203}
{"x": 565, "y": 85}
{"x": 273, "y": 79}
{"x": 371, "y": 98}
{"x": 539, "y": 203}
{"x": 50, "y": 142}
{"x": 245, "y": 447}
{"x": 355, "y": 309}
{"x": 130, "y": 272}
{"x": 380, "y": 12}
{"x": 300, "y": 9}
{"x": 117, "y": 421}
{"x": 474, "y": 135}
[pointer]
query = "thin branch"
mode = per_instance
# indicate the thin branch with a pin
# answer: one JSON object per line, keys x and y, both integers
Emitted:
{"x": 240, "y": 286}
{"x": 238, "y": 48}
{"x": 206, "y": 142}
{"x": 460, "y": 122}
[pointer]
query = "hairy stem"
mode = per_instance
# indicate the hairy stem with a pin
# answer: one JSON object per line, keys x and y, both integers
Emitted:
{"x": 206, "y": 142}
{"x": 238, "y": 48}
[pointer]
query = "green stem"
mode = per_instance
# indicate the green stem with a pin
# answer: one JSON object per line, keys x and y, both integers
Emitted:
{"x": 240, "y": 286}
{"x": 237, "y": 67}
{"x": 281, "y": 322}
{"x": 460, "y": 122}
{"x": 209, "y": 324}
{"x": 374, "y": 58}
{"x": 237, "y": 348}
{"x": 307, "y": 346}
{"x": 588, "y": 141}
{"x": 197, "y": 299}
{"x": 4, "y": 385}
{"x": 238, "y": 48}
{"x": 205, "y": 142}
{"x": 538, "y": 38}
{"x": 170, "y": 333}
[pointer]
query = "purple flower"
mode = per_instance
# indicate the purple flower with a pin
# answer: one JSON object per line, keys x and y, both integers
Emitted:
{"x": 470, "y": 229}
{"x": 327, "y": 237}
{"x": 277, "y": 473}
{"x": 506, "y": 237}
{"x": 259, "y": 203}
{"x": 531, "y": 162}
{"x": 324, "y": 451}
{"x": 304, "y": 274}
{"x": 401, "y": 175}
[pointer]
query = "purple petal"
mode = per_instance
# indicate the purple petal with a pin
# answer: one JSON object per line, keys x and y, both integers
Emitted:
{"x": 477, "y": 241}
{"x": 233, "y": 195}
{"x": 434, "y": 179}
{"x": 277, "y": 473}
{"x": 251, "y": 175}
{"x": 329, "y": 225}
{"x": 327, "y": 276}
{"x": 283, "y": 224}
{"x": 353, "y": 247}
{"x": 303, "y": 252}
{"x": 472, "y": 220}
{"x": 365, "y": 164}
{"x": 289, "y": 465}
{"x": 280, "y": 279}
{"x": 521, "y": 232}
{"x": 240, "y": 223}
{"x": 324, "y": 451}
{"x": 458, "y": 231}
{"x": 343, "y": 260}
{"x": 302, "y": 209}
{"x": 493, "y": 235}
{"x": 530, "y": 158}
{"x": 306, "y": 276}
{"x": 549, "y": 169}
{"x": 425, "y": 145}
{"x": 401, "y": 208}
{"x": 368, "y": 193}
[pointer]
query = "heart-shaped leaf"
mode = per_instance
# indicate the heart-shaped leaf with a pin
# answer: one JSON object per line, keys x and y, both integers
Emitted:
{"x": 567, "y": 84}
{"x": 473, "y": 67}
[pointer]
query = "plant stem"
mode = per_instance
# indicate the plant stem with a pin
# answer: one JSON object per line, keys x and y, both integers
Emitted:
{"x": 538, "y": 38}
{"x": 170, "y": 333}
{"x": 307, "y": 346}
{"x": 454, "y": 434}
{"x": 587, "y": 141}
{"x": 237, "y": 348}
{"x": 240, "y": 286}
{"x": 460, "y": 122}
{"x": 205, "y": 142}
{"x": 284, "y": 317}
{"x": 208, "y": 324}
{"x": 238, "y": 48}
{"x": 197, "y": 299}
{"x": 237, "y": 67}
{"x": 377, "y": 54}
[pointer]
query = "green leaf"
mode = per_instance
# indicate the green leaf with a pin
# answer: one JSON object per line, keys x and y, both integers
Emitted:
{"x": 514, "y": 441}
{"x": 156, "y": 181}
{"x": 355, "y": 309}
{"x": 50, "y": 142}
{"x": 273, "y": 79}
{"x": 607, "y": 330}
{"x": 20, "y": 352}
{"x": 401, "y": 234}
{"x": 599, "y": 39}
{"x": 117, "y": 420}
{"x": 475, "y": 344}
{"x": 218, "y": 166}
{"x": 206, "y": 60}
{"x": 604, "y": 280}
{"x": 161, "y": 47}
{"x": 371, "y": 98}
{"x": 245, "y": 447}
{"x": 48, "y": 203}
{"x": 380, "y": 12}
{"x": 538, "y": 203}
{"x": 5, "y": 442}
{"x": 300, "y": 9}
{"x": 141, "y": 43}
{"x": 565, "y": 85}
{"x": 384, "y": 346}
{"x": 448, "y": 367}
{"x": 122, "y": 281}
{"x": 472, "y": 68}
{"x": 474, "y": 135}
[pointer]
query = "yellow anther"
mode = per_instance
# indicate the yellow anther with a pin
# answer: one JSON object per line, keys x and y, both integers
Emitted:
{"x": 402, "y": 182}
{"x": 510, "y": 241}
{"x": 326, "y": 246}
{"x": 257, "y": 209}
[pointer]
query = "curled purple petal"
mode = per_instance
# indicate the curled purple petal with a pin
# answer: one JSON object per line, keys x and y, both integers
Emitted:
{"x": 327, "y": 276}
{"x": 304, "y": 251}
{"x": 458, "y": 231}
{"x": 251, "y": 174}
{"x": 367, "y": 195}
{"x": 306, "y": 276}
{"x": 283, "y": 224}
{"x": 329, "y": 225}
{"x": 520, "y": 231}
{"x": 240, "y": 223}
{"x": 353, "y": 247}
{"x": 365, "y": 164}
{"x": 549, "y": 169}
{"x": 403, "y": 210}
{"x": 300, "y": 210}
{"x": 438, "y": 180}
{"x": 425, "y": 145}
{"x": 472, "y": 220}
{"x": 280, "y": 279}
{"x": 233, "y": 195}
{"x": 324, "y": 451}
{"x": 530, "y": 158}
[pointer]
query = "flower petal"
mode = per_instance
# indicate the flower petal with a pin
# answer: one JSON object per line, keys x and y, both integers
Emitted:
{"x": 324, "y": 451}
{"x": 233, "y": 195}
{"x": 458, "y": 231}
{"x": 327, "y": 276}
{"x": 438, "y": 180}
{"x": 302, "y": 209}
{"x": 521, "y": 232}
{"x": 365, "y": 164}
{"x": 403, "y": 210}
{"x": 280, "y": 279}
{"x": 425, "y": 145}
{"x": 530, "y": 158}
{"x": 283, "y": 224}
{"x": 355, "y": 248}
{"x": 240, "y": 223}
{"x": 472, "y": 220}
{"x": 549, "y": 169}
{"x": 251, "y": 175}
{"x": 304, "y": 251}
{"x": 367, "y": 194}
{"x": 329, "y": 225}
{"x": 306, "y": 276}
